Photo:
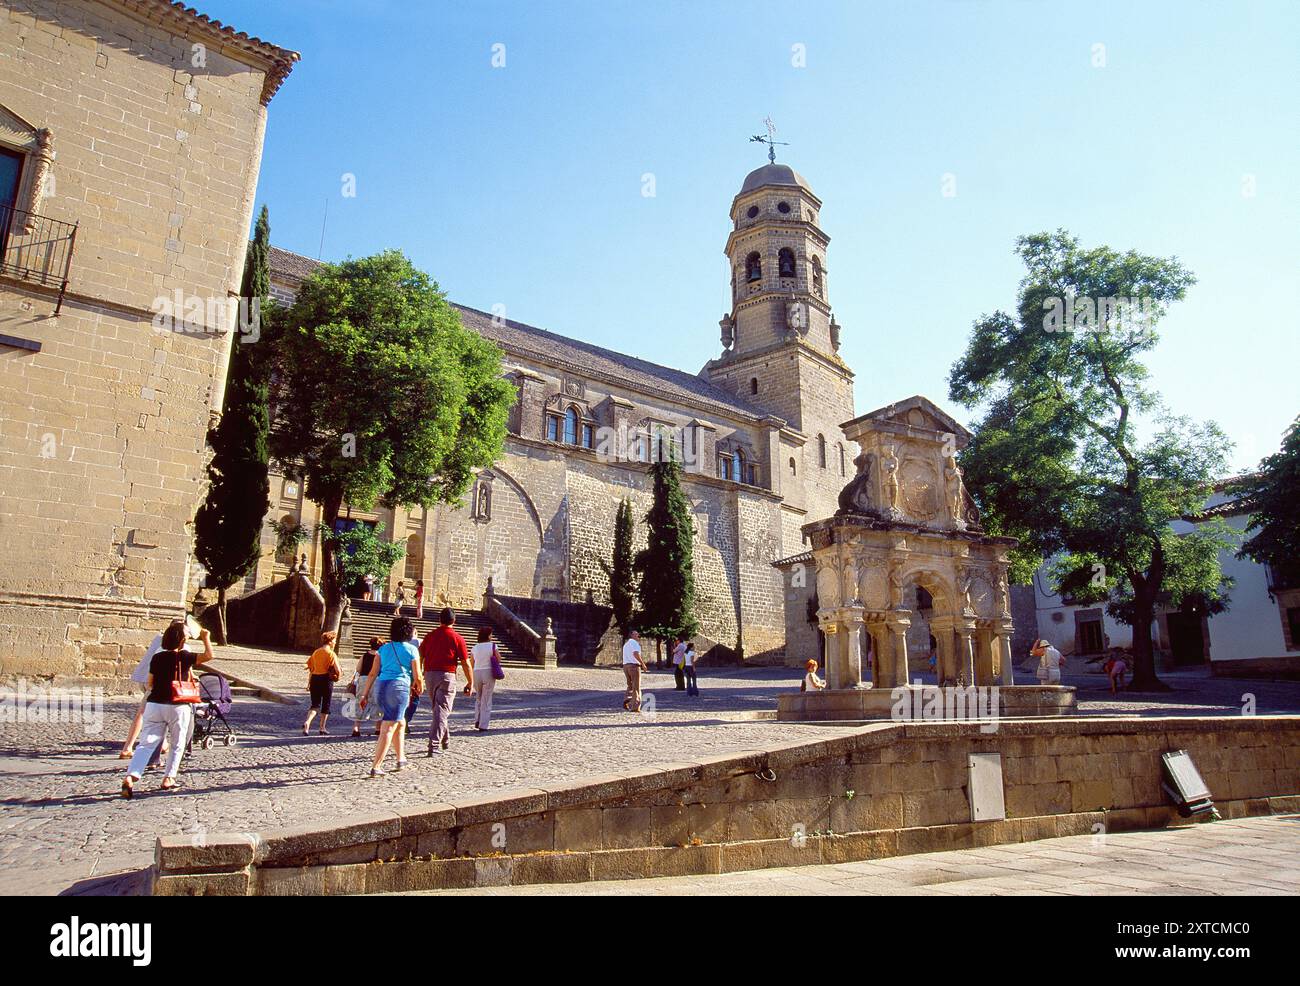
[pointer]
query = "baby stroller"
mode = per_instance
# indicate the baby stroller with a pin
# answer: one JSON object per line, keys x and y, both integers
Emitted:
{"x": 210, "y": 712}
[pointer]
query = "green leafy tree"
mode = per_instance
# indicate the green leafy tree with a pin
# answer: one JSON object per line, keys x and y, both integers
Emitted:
{"x": 666, "y": 566}
{"x": 381, "y": 392}
{"x": 622, "y": 575}
{"x": 362, "y": 551}
{"x": 289, "y": 535}
{"x": 1273, "y": 494}
{"x": 228, "y": 525}
{"x": 1057, "y": 459}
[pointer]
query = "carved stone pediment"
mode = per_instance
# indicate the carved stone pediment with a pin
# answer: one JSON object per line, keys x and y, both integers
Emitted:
{"x": 37, "y": 147}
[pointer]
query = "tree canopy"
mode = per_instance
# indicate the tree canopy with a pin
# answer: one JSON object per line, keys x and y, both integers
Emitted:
{"x": 1273, "y": 495}
{"x": 1075, "y": 454}
{"x": 381, "y": 392}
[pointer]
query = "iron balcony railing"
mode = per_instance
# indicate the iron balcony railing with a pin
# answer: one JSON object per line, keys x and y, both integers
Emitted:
{"x": 37, "y": 249}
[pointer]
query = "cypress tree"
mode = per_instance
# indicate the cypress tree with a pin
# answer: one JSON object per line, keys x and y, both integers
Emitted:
{"x": 622, "y": 587}
{"x": 666, "y": 565}
{"x": 228, "y": 526}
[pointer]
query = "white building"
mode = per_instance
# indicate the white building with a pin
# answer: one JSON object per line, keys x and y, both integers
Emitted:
{"x": 1258, "y": 635}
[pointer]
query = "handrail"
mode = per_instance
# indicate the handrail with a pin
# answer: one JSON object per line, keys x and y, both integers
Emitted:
{"x": 36, "y": 248}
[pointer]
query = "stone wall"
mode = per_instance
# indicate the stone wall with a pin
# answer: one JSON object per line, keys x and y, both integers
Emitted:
{"x": 584, "y": 632}
{"x": 878, "y": 791}
{"x": 102, "y": 427}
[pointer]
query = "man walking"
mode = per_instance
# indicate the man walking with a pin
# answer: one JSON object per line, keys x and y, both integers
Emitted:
{"x": 633, "y": 665}
{"x": 441, "y": 652}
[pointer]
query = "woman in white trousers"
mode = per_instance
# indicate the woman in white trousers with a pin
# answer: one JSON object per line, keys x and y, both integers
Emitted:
{"x": 484, "y": 680}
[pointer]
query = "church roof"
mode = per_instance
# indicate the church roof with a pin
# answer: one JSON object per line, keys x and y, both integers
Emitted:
{"x": 773, "y": 174}
{"x": 529, "y": 342}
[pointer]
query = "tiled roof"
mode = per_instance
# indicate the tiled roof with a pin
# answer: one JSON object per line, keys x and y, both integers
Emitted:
{"x": 531, "y": 342}
{"x": 528, "y": 342}
{"x": 279, "y": 61}
{"x": 291, "y": 265}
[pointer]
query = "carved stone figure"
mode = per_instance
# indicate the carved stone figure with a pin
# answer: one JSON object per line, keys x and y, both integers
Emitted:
{"x": 895, "y": 587}
{"x": 956, "y": 492}
{"x": 728, "y": 331}
{"x": 889, "y": 463}
{"x": 858, "y": 496}
{"x": 835, "y": 334}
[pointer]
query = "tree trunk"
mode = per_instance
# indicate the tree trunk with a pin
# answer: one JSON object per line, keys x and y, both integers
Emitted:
{"x": 1144, "y": 662}
{"x": 221, "y": 616}
{"x": 329, "y": 575}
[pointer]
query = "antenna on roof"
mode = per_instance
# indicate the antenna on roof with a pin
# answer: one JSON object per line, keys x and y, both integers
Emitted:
{"x": 322, "y": 228}
{"x": 770, "y": 140}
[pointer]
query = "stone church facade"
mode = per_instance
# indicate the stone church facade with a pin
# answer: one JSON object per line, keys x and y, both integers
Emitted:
{"x": 758, "y": 427}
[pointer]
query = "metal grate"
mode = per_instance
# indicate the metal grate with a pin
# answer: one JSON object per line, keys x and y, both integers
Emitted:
{"x": 37, "y": 249}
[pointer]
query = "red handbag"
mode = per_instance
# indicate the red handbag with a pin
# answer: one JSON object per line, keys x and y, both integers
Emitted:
{"x": 184, "y": 689}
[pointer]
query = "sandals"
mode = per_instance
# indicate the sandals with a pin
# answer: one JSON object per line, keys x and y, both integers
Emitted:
{"x": 376, "y": 771}
{"x": 127, "y": 789}
{"x": 173, "y": 786}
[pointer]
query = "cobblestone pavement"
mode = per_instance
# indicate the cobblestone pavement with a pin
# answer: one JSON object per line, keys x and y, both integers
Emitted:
{"x": 1249, "y": 856}
{"x": 63, "y": 826}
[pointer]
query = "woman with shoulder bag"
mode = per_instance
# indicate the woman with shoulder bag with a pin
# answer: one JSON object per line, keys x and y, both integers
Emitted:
{"x": 487, "y": 672}
{"x": 169, "y": 706}
{"x": 322, "y": 670}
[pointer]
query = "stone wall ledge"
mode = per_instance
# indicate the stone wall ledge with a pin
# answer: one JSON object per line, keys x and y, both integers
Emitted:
{"x": 416, "y": 874}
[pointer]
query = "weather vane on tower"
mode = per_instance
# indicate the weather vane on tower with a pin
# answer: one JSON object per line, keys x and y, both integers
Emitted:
{"x": 770, "y": 140}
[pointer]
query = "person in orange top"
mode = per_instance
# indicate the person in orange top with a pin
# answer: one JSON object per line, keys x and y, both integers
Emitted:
{"x": 322, "y": 670}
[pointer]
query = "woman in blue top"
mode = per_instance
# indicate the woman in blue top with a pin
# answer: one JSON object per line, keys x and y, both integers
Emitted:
{"x": 394, "y": 678}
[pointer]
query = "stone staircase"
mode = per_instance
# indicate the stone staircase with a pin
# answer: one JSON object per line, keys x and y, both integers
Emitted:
{"x": 372, "y": 619}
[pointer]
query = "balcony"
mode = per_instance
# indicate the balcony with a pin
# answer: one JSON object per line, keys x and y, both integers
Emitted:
{"x": 36, "y": 249}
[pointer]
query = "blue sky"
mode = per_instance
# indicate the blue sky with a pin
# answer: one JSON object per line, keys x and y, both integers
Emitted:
{"x": 522, "y": 185}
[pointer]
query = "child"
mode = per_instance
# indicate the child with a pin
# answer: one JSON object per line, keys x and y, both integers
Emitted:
{"x": 1115, "y": 667}
{"x": 811, "y": 682}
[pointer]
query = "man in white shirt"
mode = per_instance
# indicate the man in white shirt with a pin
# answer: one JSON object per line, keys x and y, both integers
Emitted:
{"x": 633, "y": 665}
{"x": 1050, "y": 662}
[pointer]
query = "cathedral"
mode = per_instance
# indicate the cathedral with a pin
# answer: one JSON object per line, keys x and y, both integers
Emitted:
{"x": 758, "y": 428}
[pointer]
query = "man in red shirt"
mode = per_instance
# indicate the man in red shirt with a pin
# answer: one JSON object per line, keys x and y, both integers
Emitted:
{"x": 441, "y": 652}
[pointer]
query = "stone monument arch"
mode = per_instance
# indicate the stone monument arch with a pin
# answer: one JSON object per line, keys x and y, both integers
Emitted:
{"x": 906, "y": 520}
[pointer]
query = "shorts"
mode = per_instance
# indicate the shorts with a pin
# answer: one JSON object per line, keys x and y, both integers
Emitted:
{"x": 394, "y": 697}
{"x": 322, "y": 690}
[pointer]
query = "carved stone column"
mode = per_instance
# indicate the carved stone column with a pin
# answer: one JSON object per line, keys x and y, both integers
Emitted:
{"x": 965, "y": 656}
{"x": 831, "y": 651}
{"x": 1002, "y": 645}
{"x": 896, "y": 673}
{"x": 852, "y": 625}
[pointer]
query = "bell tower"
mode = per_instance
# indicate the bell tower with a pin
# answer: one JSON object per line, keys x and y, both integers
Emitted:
{"x": 777, "y": 255}
{"x": 780, "y": 340}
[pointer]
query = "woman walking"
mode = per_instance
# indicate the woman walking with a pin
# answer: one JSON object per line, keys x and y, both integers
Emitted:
{"x": 322, "y": 671}
{"x": 419, "y": 599}
{"x": 394, "y": 678}
{"x": 486, "y": 662}
{"x": 362, "y": 672}
{"x": 688, "y": 669}
{"x": 168, "y": 710}
{"x": 399, "y": 597}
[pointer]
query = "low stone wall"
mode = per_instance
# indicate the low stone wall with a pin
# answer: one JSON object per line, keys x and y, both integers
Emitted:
{"x": 288, "y": 613}
{"x": 1286, "y": 667}
{"x": 878, "y": 790}
{"x": 919, "y": 702}
{"x": 584, "y": 632}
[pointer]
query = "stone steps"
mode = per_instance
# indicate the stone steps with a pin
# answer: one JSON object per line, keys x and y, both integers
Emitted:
{"x": 373, "y": 619}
